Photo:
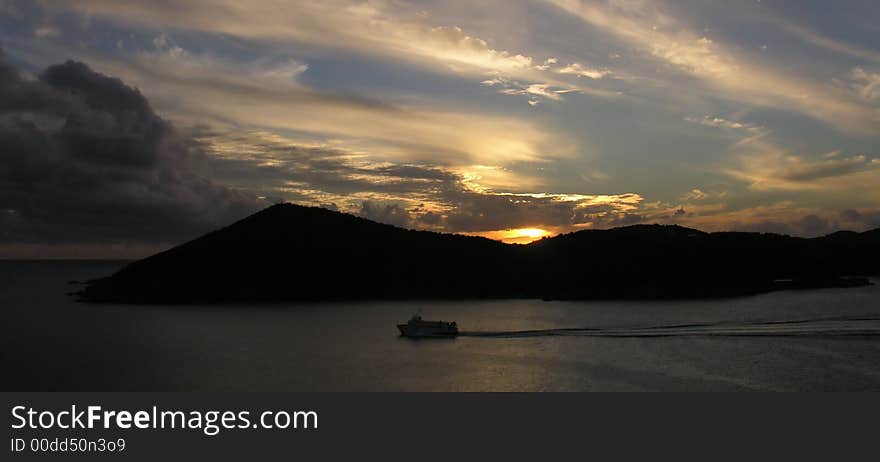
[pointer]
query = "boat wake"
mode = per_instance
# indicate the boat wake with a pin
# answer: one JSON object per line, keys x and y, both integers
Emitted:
{"x": 819, "y": 327}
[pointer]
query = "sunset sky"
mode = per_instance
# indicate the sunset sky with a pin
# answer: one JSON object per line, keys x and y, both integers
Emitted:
{"x": 479, "y": 117}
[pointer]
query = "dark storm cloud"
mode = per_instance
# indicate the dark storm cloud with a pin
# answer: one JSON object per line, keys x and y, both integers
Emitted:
{"x": 480, "y": 212}
{"x": 392, "y": 214}
{"x": 85, "y": 159}
{"x": 812, "y": 225}
{"x": 258, "y": 163}
{"x": 475, "y": 211}
{"x": 868, "y": 219}
{"x": 808, "y": 226}
{"x": 407, "y": 195}
{"x": 338, "y": 176}
{"x": 829, "y": 168}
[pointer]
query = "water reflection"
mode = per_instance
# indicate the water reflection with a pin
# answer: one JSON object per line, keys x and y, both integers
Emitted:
{"x": 52, "y": 343}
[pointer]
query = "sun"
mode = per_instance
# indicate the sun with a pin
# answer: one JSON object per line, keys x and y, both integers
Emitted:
{"x": 533, "y": 233}
{"x": 522, "y": 235}
{"x": 515, "y": 236}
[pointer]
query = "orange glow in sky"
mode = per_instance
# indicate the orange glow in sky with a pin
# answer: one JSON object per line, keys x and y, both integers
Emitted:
{"x": 516, "y": 236}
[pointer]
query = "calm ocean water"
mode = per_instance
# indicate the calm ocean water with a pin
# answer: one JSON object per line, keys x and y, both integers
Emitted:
{"x": 53, "y": 343}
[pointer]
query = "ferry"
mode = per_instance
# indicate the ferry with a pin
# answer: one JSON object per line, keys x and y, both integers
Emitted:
{"x": 416, "y": 327}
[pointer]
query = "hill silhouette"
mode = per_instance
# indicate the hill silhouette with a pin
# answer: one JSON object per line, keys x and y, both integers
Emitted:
{"x": 291, "y": 252}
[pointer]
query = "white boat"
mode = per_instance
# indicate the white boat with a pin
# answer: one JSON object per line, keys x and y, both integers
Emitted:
{"x": 418, "y": 328}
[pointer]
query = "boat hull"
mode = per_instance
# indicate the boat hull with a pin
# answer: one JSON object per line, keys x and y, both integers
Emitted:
{"x": 408, "y": 330}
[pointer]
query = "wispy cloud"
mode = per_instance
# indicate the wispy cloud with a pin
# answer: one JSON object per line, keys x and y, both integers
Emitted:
{"x": 772, "y": 168}
{"x": 471, "y": 199}
{"x": 207, "y": 89}
{"x": 724, "y": 69}
{"x": 695, "y": 195}
{"x": 866, "y": 84}
{"x": 581, "y": 71}
{"x": 721, "y": 122}
{"x": 722, "y": 115}
{"x": 45, "y": 31}
{"x": 384, "y": 28}
{"x": 813, "y": 37}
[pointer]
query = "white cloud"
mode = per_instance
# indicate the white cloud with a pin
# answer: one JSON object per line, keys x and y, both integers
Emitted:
{"x": 694, "y": 195}
{"x": 581, "y": 71}
{"x": 46, "y": 32}
{"x": 866, "y": 84}
{"x": 720, "y": 122}
{"x": 536, "y": 91}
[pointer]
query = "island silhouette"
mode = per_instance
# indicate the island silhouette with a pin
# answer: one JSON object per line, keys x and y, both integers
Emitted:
{"x": 289, "y": 252}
